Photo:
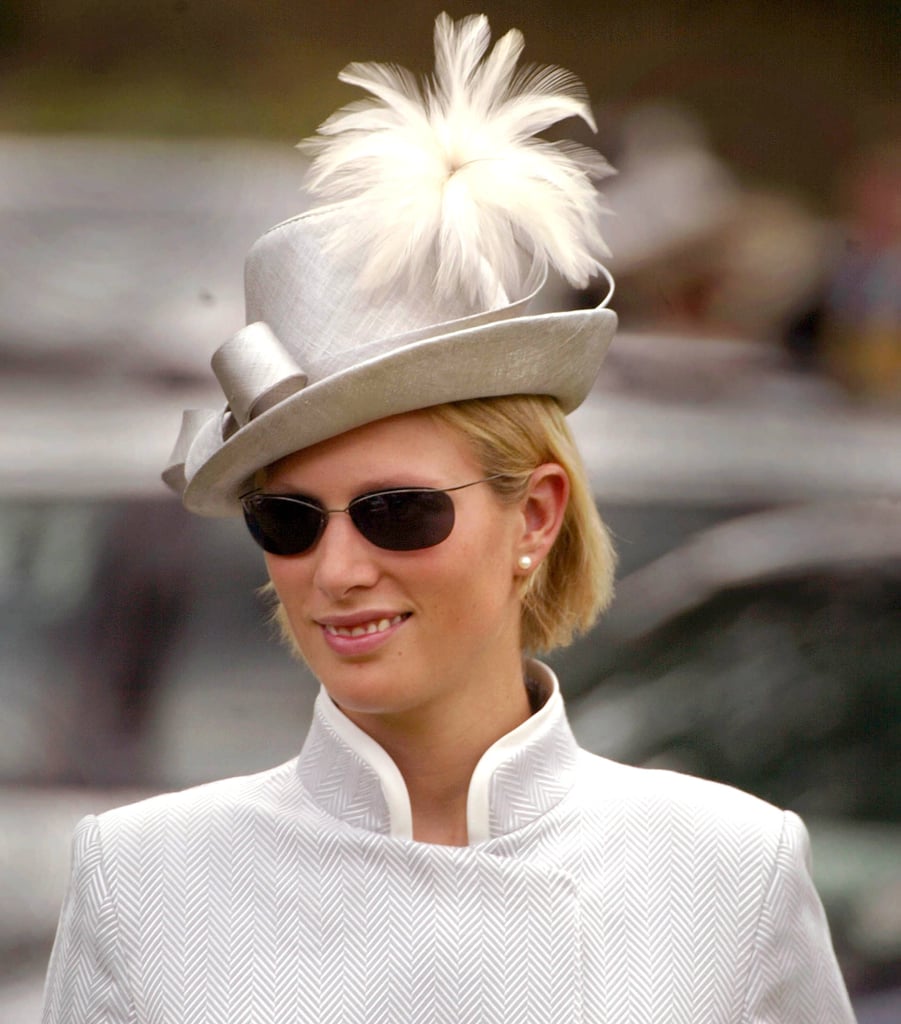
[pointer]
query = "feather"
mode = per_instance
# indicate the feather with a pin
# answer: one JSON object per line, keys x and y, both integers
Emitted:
{"x": 447, "y": 179}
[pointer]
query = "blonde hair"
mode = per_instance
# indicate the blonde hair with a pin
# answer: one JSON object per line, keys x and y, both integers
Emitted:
{"x": 512, "y": 435}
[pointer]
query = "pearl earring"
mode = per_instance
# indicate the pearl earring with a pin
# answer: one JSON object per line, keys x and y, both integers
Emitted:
{"x": 525, "y": 562}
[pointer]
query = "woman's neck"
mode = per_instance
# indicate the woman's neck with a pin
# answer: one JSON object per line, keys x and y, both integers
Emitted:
{"x": 437, "y": 749}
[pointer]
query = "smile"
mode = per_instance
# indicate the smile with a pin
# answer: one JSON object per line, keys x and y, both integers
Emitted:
{"x": 366, "y": 628}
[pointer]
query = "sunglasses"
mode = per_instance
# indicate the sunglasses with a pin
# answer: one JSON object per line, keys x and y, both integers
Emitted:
{"x": 404, "y": 519}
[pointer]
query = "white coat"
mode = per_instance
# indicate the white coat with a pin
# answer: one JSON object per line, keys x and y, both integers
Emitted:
{"x": 590, "y": 892}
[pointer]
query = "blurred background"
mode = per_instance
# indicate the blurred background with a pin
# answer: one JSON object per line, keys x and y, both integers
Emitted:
{"x": 744, "y": 439}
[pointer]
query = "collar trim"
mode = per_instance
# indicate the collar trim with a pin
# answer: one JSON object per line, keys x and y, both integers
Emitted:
{"x": 532, "y": 730}
{"x": 394, "y": 789}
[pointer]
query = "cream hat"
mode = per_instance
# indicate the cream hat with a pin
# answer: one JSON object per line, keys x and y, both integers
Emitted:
{"x": 411, "y": 287}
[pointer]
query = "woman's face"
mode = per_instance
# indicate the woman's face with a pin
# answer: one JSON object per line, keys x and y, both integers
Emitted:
{"x": 446, "y": 617}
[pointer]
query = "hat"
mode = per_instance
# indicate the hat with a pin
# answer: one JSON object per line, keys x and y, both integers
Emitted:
{"x": 409, "y": 287}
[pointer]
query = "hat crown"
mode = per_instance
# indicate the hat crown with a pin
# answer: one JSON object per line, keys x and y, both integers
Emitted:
{"x": 313, "y": 304}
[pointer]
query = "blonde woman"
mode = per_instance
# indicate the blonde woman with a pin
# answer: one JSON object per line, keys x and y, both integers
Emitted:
{"x": 441, "y": 849}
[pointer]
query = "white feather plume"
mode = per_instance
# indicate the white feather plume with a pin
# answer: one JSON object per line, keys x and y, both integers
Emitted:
{"x": 449, "y": 180}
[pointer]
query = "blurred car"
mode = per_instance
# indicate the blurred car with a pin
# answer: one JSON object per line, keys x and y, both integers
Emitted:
{"x": 766, "y": 653}
{"x": 125, "y": 255}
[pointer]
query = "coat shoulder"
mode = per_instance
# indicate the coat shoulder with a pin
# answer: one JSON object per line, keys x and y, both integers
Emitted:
{"x": 683, "y": 804}
{"x": 203, "y": 806}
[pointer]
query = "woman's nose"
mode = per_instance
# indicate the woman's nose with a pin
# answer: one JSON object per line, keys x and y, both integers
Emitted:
{"x": 344, "y": 558}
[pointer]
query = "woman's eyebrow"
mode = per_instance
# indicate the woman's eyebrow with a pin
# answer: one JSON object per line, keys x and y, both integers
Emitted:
{"x": 398, "y": 484}
{"x": 275, "y": 485}
{"x": 394, "y": 483}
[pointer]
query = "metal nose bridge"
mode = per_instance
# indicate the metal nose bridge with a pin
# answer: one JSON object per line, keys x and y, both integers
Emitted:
{"x": 337, "y": 511}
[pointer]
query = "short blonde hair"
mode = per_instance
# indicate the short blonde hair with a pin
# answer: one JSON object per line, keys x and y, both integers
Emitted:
{"x": 512, "y": 435}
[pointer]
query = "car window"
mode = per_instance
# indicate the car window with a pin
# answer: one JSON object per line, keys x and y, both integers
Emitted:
{"x": 787, "y": 688}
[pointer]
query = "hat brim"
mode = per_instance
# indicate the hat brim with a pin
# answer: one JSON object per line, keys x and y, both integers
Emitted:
{"x": 556, "y": 354}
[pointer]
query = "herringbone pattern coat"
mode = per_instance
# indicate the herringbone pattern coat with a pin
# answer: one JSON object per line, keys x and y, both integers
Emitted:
{"x": 590, "y": 892}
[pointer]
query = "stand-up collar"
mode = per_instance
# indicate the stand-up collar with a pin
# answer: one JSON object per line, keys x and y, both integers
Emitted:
{"x": 520, "y": 777}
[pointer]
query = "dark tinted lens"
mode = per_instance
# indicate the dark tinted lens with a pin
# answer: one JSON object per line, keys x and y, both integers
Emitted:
{"x": 283, "y": 525}
{"x": 404, "y": 520}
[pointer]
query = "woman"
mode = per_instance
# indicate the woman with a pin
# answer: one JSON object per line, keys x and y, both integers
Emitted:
{"x": 395, "y": 437}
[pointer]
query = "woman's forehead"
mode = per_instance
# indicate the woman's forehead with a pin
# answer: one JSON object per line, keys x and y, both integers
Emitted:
{"x": 410, "y": 448}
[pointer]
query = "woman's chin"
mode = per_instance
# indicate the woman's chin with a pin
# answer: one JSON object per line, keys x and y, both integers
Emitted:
{"x": 368, "y": 688}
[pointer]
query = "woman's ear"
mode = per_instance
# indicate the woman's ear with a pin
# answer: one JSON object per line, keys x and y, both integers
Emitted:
{"x": 543, "y": 509}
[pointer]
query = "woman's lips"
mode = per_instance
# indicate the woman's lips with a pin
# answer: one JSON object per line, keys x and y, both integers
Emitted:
{"x": 362, "y": 635}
